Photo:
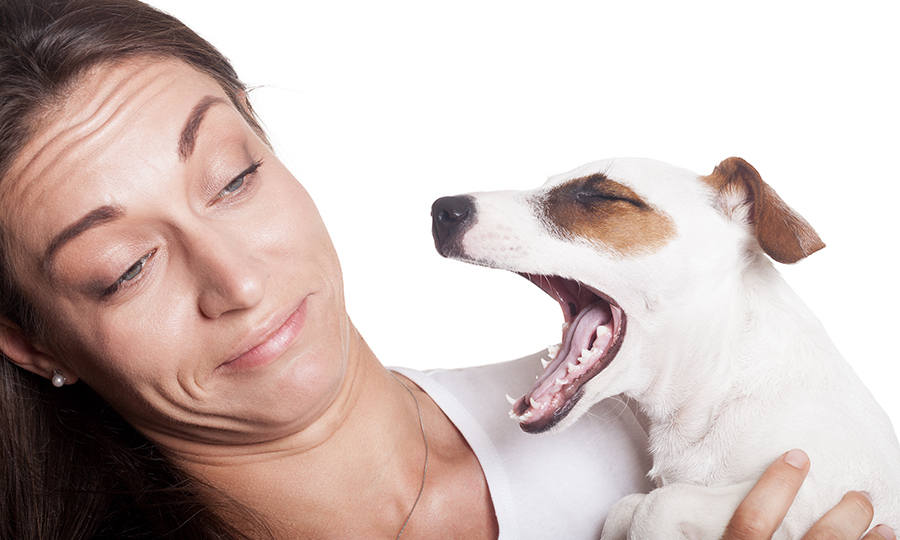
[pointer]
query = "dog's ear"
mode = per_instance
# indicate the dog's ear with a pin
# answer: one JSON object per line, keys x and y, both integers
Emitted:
{"x": 781, "y": 232}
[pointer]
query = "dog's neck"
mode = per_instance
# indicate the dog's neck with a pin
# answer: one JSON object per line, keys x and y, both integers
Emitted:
{"x": 701, "y": 349}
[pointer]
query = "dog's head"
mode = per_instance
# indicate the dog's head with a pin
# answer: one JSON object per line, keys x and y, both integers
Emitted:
{"x": 620, "y": 244}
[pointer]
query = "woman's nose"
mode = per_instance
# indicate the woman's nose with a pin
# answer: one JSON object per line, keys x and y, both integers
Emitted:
{"x": 230, "y": 277}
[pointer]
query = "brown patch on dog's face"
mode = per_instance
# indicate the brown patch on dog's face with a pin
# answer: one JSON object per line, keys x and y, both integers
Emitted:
{"x": 608, "y": 213}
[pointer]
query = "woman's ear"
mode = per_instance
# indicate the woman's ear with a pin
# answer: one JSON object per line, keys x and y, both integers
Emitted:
{"x": 25, "y": 354}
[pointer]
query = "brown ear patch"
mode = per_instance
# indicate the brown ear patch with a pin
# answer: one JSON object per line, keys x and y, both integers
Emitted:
{"x": 607, "y": 213}
{"x": 781, "y": 232}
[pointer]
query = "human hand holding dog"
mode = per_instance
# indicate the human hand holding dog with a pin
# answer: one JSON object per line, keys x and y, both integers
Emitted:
{"x": 762, "y": 511}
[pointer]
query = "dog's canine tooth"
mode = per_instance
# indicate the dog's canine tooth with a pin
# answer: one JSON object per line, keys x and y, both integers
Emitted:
{"x": 534, "y": 404}
{"x": 510, "y": 400}
{"x": 545, "y": 363}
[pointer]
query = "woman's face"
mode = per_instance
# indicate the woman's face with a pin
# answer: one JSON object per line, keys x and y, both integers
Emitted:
{"x": 185, "y": 274}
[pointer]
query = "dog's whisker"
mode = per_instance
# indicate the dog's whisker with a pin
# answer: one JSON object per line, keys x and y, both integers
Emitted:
{"x": 620, "y": 408}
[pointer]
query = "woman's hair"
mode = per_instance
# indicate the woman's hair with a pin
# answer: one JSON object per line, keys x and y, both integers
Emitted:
{"x": 70, "y": 466}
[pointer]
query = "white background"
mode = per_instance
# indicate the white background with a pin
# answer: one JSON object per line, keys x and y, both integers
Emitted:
{"x": 381, "y": 107}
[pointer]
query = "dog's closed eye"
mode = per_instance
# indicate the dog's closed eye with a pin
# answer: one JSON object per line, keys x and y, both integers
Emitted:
{"x": 597, "y": 189}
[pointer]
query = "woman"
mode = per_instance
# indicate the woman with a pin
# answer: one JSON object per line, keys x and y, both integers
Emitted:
{"x": 180, "y": 360}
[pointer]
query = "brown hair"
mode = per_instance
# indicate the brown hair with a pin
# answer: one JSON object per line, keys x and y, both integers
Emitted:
{"x": 70, "y": 466}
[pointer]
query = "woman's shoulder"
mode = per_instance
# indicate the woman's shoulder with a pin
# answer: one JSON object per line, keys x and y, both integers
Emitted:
{"x": 580, "y": 470}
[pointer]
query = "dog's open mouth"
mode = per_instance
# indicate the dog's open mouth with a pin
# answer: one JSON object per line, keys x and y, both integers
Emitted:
{"x": 592, "y": 335}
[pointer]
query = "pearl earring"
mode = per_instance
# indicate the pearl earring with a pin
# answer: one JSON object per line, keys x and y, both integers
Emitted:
{"x": 58, "y": 379}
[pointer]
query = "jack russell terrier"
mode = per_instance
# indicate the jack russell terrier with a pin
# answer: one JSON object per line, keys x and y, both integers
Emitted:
{"x": 669, "y": 300}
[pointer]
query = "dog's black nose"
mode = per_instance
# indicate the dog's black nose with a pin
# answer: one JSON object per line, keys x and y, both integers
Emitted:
{"x": 451, "y": 217}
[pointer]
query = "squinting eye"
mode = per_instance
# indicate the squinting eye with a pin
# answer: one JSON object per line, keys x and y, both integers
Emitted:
{"x": 238, "y": 182}
{"x": 133, "y": 271}
{"x": 233, "y": 186}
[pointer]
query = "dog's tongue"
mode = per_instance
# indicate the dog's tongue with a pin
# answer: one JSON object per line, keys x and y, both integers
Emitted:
{"x": 585, "y": 342}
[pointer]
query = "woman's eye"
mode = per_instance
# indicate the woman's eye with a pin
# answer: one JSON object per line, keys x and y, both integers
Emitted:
{"x": 133, "y": 271}
{"x": 233, "y": 186}
{"x": 238, "y": 182}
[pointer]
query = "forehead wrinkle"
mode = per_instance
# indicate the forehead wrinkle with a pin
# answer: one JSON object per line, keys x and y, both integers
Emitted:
{"x": 84, "y": 120}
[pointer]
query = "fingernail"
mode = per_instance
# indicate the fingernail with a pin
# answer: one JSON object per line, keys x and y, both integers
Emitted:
{"x": 886, "y": 532}
{"x": 796, "y": 458}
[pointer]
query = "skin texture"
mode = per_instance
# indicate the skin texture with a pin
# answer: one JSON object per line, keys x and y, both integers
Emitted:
{"x": 191, "y": 282}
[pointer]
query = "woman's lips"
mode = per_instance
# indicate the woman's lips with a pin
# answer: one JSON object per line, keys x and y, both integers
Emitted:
{"x": 272, "y": 343}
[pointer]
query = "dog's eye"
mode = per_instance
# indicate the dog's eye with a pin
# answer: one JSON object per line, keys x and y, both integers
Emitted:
{"x": 589, "y": 196}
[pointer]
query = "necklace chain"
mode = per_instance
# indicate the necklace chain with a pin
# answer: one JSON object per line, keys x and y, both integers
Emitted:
{"x": 425, "y": 467}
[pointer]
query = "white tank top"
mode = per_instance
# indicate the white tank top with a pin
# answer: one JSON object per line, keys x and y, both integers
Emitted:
{"x": 555, "y": 485}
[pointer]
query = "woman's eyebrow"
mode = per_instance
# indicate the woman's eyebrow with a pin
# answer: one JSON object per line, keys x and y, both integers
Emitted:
{"x": 192, "y": 126}
{"x": 94, "y": 218}
{"x": 107, "y": 213}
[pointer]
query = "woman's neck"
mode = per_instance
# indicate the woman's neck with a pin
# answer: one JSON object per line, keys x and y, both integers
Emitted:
{"x": 357, "y": 470}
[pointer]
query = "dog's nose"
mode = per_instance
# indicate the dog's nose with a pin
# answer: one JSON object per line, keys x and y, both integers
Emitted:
{"x": 450, "y": 218}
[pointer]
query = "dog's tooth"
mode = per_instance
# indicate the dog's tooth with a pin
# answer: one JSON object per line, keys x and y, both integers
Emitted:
{"x": 602, "y": 331}
{"x": 560, "y": 382}
{"x": 510, "y": 400}
{"x": 534, "y": 404}
{"x": 526, "y": 416}
{"x": 565, "y": 326}
{"x": 545, "y": 363}
{"x": 570, "y": 367}
{"x": 552, "y": 351}
{"x": 585, "y": 356}
{"x": 513, "y": 415}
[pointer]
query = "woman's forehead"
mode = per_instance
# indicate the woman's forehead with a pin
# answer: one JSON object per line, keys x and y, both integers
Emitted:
{"x": 116, "y": 117}
{"x": 111, "y": 101}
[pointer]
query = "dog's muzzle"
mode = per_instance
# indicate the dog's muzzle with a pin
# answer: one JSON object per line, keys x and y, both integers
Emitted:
{"x": 451, "y": 217}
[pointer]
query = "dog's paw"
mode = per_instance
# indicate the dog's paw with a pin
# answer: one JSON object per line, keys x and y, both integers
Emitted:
{"x": 675, "y": 512}
{"x": 620, "y": 517}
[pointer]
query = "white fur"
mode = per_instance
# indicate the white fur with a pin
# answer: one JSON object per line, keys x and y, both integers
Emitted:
{"x": 729, "y": 366}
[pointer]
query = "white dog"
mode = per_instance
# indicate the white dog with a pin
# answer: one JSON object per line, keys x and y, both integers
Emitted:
{"x": 671, "y": 301}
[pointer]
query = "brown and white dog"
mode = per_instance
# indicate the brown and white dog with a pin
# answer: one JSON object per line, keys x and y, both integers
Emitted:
{"x": 671, "y": 301}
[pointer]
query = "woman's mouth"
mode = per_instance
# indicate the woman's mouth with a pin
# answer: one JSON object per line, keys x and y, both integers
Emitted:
{"x": 592, "y": 335}
{"x": 269, "y": 342}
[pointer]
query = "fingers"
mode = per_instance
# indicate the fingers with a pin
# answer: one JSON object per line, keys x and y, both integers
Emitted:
{"x": 764, "y": 508}
{"x": 849, "y": 520}
{"x": 881, "y": 532}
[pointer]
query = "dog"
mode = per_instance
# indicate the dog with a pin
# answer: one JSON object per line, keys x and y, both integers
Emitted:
{"x": 671, "y": 300}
